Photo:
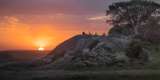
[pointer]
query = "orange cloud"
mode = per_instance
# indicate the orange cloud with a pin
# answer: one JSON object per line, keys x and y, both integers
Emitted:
{"x": 97, "y": 18}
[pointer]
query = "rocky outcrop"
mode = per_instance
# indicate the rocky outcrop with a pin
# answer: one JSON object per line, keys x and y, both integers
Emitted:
{"x": 74, "y": 44}
{"x": 92, "y": 51}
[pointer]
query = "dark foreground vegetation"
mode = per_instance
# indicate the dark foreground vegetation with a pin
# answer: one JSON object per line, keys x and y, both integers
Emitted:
{"x": 21, "y": 55}
{"x": 82, "y": 75}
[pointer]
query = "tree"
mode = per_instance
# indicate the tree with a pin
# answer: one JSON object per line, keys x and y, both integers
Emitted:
{"x": 134, "y": 13}
{"x": 150, "y": 31}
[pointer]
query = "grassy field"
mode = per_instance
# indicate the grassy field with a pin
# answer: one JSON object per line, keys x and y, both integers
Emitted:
{"x": 81, "y": 75}
{"x": 155, "y": 57}
{"x": 21, "y": 55}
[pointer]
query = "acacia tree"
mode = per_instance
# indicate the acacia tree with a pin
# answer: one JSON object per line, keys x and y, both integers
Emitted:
{"x": 134, "y": 13}
{"x": 151, "y": 30}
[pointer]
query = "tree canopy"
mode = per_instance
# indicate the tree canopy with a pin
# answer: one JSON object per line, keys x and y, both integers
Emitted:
{"x": 134, "y": 13}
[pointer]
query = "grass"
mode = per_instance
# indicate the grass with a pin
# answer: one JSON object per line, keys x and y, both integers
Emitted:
{"x": 83, "y": 75}
{"x": 155, "y": 57}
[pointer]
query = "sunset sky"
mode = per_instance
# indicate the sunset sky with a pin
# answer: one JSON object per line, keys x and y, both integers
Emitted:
{"x": 29, "y": 24}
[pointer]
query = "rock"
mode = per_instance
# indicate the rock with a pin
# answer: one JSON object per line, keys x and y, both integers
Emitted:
{"x": 92, "y": 51}
{"x": 111, "y": 51}
{"x": 72, "y": 45}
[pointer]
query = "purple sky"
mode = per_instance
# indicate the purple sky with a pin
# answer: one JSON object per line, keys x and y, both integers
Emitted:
{"x": 73, "y": 7}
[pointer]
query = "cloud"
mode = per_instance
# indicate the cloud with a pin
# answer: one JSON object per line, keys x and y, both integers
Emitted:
{"x": 11, "y": 20}
{"x": 12, "y": 23}
{"x": 97, "y": 18}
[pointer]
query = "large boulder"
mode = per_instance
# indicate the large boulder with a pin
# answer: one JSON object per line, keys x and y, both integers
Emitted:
{"x": 92, "y": 51}
{"x": 72, "y": 45}
{"x": 111, "y": 51}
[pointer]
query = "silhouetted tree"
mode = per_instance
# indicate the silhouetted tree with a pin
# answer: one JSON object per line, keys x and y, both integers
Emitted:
{"x": 104, "y": 34}
{"x": 134, "y": 13}
{"x": 90, "y": 34}
{"x": 83, "y": 33}
{"x": 95, "y": 34}
{"x": 151, "y": 30}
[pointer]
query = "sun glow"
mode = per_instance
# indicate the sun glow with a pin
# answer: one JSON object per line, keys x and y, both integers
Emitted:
{"x": 41, "y": 43}
{"x": 40, "y": 49}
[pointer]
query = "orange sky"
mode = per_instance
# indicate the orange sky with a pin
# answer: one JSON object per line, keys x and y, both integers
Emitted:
{"x": 18, "y": 35}
{"x": 30, "y": 24}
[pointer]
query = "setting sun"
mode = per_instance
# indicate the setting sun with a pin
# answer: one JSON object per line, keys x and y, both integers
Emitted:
{"x": 40, "y": 49}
